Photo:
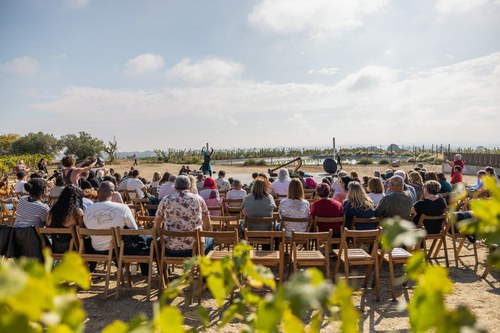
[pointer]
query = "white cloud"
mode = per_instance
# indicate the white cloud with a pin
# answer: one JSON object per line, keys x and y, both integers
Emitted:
{"x": 324, "y": 71}
{"x": 458, "y": 6}
{"x": 375, "y": 104}
{"x": 207, "y": 70}
{"x": 369, "y": 77}
{"x": 316, "y": 17}
{"x": 22, "y": 65}
{"x": 60, "y": 56}
{"x": 77, "y": 4}
{"x": 143, "y": 64}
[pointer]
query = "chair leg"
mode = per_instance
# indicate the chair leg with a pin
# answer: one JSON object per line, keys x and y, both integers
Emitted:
{"x": 367, "y": 276}
{"x": 119, "y": 278}
{"x": 392, "y": 280}
{"x": 150, "y": 273}
{"x": 281, "y": 271}
{"x": 346, "y": 269}
{"x": 108, "y": 274}
{"x": 455, "y": 251}
{"x": 377, "y": 278}
{"x": 445, "y": 248}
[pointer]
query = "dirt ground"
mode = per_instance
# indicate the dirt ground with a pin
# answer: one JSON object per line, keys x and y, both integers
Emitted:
{"x": 480, "y": 295}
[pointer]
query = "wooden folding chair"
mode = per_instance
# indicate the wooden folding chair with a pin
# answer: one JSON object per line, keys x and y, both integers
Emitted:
{"x": 216, "y": 210}
{"x": 224, "y": 243}
{"x": 395, "y": 256}
{"x": 290, "y": 224}
{"x": 126, "y": 260}
{"x": 358, "y": 256}
{"x": 262, "y": 224}
{"x": 8, "y": 215}
{"x": 436, "y": 228}
{"x": 165, "y": 260}
{"x": 233, "y": 207}
{"x": 223, "y": 223}
{"x": 340, "y": 221}
{"x": 306, "y": 250}
{"x": 147, "y": 222}
{"x": 460, "y": 238}
{"x": 107, "y": 259}
{"x": 268, "y": 258}
{"x": 71, "y": 231}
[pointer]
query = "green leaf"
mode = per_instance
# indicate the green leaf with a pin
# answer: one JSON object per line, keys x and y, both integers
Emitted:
{"x": 117, "y": 326}
{"x": 342, "y": 297}
{"x": 72, "y": 269}
{"x": 234, "y": 311}
{"x": 307, "y": 290}
{"x": 169, "y": 320}
{"x": 291, "y": 324}
{"x": 397, "y": 232}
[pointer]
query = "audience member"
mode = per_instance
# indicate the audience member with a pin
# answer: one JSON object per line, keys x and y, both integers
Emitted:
{"x": 280, "y": 187}
{"x": 396, "y": 202}
{"x": 295, "y": 206}
{"x": 357, "y": 204}
{"x": 432, "y": 205}
{"x": 326, "y": 207}
{"x": 31, "y": 210}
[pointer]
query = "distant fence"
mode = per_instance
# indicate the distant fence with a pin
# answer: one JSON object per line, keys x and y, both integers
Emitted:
{"x": 481, "y": 160}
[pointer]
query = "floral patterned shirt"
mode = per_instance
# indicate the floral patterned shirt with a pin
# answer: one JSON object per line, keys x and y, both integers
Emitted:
{"x": 294, "y": 209}
{"x": 181, "y": 211}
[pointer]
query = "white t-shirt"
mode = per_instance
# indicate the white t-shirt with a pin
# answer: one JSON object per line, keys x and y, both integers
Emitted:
{"x": 137, "y": 185}
{"x": 376, "y": 197}
{"x": 236, "y": 194}
{"x": 19, "y": 187}
{"x": 166, "y": 189}
{"x": 107, "y": 215}
{"x": 281, "y": 188}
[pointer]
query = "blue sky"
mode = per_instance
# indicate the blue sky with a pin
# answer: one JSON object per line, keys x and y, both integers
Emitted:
{"x": 160, "y": 74}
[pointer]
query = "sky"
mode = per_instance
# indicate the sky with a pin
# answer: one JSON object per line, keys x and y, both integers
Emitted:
{"x": 158, "y": 74}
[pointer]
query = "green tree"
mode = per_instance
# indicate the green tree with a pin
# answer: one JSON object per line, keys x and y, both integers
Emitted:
{"x": 6, "y": 141}
{"x": 36, "y": 143}
{"x": 111, "y": 148}
{"x": 82, "y": 145}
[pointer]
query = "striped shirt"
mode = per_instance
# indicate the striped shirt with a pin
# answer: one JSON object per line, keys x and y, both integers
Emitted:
{"x": 30, "y": 213}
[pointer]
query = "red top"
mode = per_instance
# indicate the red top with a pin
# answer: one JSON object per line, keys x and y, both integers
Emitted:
{"x": 455, "y": 163}
{"x": 456, "y": 178}
{"x": 328, "y": 208}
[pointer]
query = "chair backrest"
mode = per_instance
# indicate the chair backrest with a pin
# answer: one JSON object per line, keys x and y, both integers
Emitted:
{"x": 233, "y": 206}
{"x": 216, "y": 210}
{"x": 73, "y": 244}
{"x": 365, "y": 223}
{"x": 433, "y": 224}
{"x": 311, "y": 239}
{"x": 338, "y": 222}
{"x": 368, "y": 237}
{"x": 290, "y": 224}
{"x": 222, "y": 238}
{"x": 147, "y": 222}
{"x": 121, "y": 233}
{"x": 230, "y": 222}
{"x": 137, "y": 209}
{"x": 180, "y": 234}
{"x": 260, "y": 223}
{"x": 83, "y": 232}
{"x": 131, "y": 194}
{"x": 265, "y": 237}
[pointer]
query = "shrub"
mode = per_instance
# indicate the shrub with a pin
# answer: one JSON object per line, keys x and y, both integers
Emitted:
{"x": 365, "y": 161}
{"x": 384, "y": 162}
{"x": 252, "y": 161}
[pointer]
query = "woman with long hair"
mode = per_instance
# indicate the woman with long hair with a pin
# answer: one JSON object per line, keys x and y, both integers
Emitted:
{"x": 164, "y": 179}
{"x": 416, "y": 181}
{"x": 71, "y": 173}
{"x": 295, "y": 206}
{"x": 357, "y": 204}
{"x": 66, "y": 212}
{"x": 280, "y": 187}
{"x": 375, "y": 190}
{"x": 259, "y": 203}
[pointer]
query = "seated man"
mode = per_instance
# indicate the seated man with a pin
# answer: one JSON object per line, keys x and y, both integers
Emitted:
{"x": 105, "y": 214}
{"x": 222, "y": 184}
{"x": 397, "y": 202}
{"x": 21, "y": 180}
{"x": 183, "y": 211}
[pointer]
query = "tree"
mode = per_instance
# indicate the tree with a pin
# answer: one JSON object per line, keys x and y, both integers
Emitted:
{"x": 36, "y": 143}
{"x": 82, "y": 145}
{"x": 111, "y": 149}
{"x": 6, "y": 141}
{"x": 393, "y": 148}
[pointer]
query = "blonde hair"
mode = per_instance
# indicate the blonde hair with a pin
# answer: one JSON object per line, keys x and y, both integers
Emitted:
{"x": 192, "y": 184}
{"x": 414, "y": 177}
{"x": 375, "y": 185}
{"x": 295, "y": 190}
{"x": 156, "y": 176}
{"x": 357, "y": 197}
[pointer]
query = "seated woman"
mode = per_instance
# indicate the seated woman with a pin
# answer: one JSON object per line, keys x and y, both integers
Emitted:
{"x": 211, "y": 195}
{"x": 416, "y": 181}
{"x": 375, "y": 190}
{"x": 357, "y": 204}
{"x": 280, "y": 187}
{"x": 432, "y": 204}
{"x": 294, "y": 206}
{"x": 66, "y": 212}
{"x": 31, "y": 210}
{"x": 326, "y": 207}
{"x": 259, "y": 203}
